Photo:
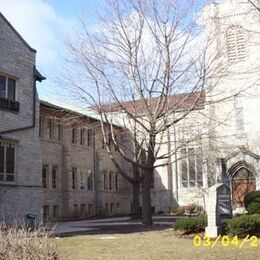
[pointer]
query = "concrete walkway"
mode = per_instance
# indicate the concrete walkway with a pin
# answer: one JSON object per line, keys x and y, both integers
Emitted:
{"x": 109, "y": 225}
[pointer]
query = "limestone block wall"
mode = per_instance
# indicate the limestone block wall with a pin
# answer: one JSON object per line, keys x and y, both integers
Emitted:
{"x": 68, "y": 155}
{"x": 24, "y": 194}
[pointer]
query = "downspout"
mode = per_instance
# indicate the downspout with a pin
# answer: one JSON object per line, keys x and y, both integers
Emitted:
{"x": 32, "y": 125}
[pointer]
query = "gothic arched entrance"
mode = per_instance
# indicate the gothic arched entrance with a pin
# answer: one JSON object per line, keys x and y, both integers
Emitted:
{"x": 243, "y": 181}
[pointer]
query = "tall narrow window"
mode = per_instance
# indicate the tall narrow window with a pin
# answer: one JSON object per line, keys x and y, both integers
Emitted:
{"x": 45, "y": 176}
{"x": 74, "y": 178}
{"x": 7, "y": 160}
{"x": 191, "y": 168}
{"x": 49, "y": 129}
{"x": 57, "y": 131}
{"x": 90, "y": 180}
{"x": 112, "y": 208}
{"x": 82, "y": 179}
{"x": 192, "y": 172}
{"x": 82, "y": 136}
{"x": 41, "y": 126}
{"x": 105, "y": 180}
{"x": 236, "y": 44}
{"x": 7, "y": 88}
{"x": 55, "y": 211}
{"x": 54, "y": 177}
{"x": 11, "y": 89}
{"x": 2, "y": 87}
{"x": 239, "y": 115}
{"x": 110, "y": 180}
{"x": 73, "y": 135}
{"x": 90, "y": 136}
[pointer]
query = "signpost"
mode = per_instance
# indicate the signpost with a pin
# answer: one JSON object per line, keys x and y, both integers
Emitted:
{"x": 218, "y": 209}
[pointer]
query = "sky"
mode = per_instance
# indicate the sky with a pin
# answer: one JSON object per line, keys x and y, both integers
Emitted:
{"x": 45, "y": 25}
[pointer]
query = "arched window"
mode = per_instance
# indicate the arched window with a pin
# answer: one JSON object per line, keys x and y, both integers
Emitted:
{"x": 236, "y": 44}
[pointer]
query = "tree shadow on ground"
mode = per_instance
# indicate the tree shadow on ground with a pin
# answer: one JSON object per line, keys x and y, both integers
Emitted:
{"x": 114, "y": 229}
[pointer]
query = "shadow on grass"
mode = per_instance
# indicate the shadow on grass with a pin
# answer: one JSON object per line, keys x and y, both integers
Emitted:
{"x": 114, "y": 229}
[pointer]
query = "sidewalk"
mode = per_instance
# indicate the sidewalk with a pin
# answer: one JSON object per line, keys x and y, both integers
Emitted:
{"x": 109, "y": 225}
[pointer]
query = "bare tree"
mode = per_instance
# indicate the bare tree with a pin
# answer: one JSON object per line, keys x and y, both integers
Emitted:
{"x": 255, "y": 4}
{"x": 142, "y": 68}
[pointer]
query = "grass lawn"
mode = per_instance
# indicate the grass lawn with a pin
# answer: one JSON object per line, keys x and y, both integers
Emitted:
{"x": 148, "y": 245}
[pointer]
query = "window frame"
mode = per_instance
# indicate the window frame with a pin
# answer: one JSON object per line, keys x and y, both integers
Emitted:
{"x": 82, "y": 180}
{"x": 74, "y": 135}
{"x": 6, "y": 91}
{"x": 46, "y": 186}
{"x": 54, "y": 177}
{"x": 90, "y": 180}
{"x": 82, "y": 138}
{"x": 190, "y": 153}
{"x": 5, "y": 174}
{"x": 74, "y": 178}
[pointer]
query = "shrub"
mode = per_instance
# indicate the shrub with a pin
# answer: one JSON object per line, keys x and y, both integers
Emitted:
{"x": 19, "y": 243}
{"x": 253, "y": 208}
{"x": 193, "y": 209}
{"x": 191, "y": 225}
{"x": 252, "y": 202}
{"x": 176, "y": 212}
{"x": 243, "y": 225}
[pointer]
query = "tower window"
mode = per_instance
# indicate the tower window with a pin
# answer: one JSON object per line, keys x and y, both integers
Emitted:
{"x": 236, "y": 44}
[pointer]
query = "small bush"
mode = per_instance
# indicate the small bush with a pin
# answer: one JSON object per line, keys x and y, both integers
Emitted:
{"x": 191, "y": 225}
{"x": 176, "y": 212}
{"x": 243, "y": 225}
{"x": 252, "y": 202}
{"x": 193, "y": 209}
{"x": 19, "y": 243}
{"x": 253, "y": 208}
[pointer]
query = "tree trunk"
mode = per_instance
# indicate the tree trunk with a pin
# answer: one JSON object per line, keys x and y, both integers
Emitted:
{"x": 136, "y": 192}
{"x": 136, "y": 202}
{"x": 147, "y": 208}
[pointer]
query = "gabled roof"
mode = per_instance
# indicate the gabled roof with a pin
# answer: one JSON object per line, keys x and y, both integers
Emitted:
{"x": 243, "y": 150}
{"x": 19, "y": 36}
{"x": 179, "y": 102}
{"x": 75, "y": 109}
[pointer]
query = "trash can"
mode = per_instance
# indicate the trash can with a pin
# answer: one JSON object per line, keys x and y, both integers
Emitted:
{"x": 31, "y": 220}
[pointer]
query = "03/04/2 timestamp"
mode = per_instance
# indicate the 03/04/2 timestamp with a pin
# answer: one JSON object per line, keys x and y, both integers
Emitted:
{"x": 226, "y": 241}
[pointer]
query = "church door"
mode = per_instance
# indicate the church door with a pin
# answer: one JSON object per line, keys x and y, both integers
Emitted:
{"x": 243, "y": 182}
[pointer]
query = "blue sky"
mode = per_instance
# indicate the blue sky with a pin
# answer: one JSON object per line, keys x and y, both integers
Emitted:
{"x": 45, "y": 24}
